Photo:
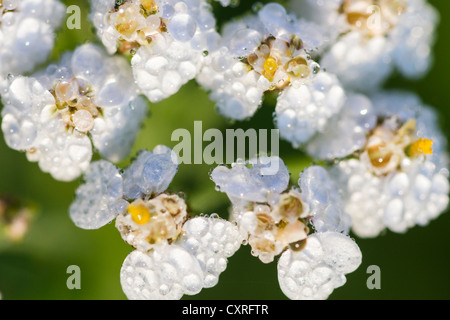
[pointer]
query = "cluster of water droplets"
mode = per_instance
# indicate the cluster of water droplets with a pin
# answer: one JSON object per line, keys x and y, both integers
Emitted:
{"x": 168, "y": 41}
{"x": 27, "y": 33}
{"x": 314, "y": 272}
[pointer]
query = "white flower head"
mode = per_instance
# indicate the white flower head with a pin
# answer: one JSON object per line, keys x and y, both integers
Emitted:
{"x": 145, "y": 215}
{"x": 174, "y": 255}
{"x": 146, "y": 178}
{"x": 276, "y": 224}
{"x": 399, "y": 179}
{"x": 53, "y": 115}
{"x": 27, "y": 33}
{"x": 167, "y": 38}
{"x": 271, "y": 52}
{"x": 369, "y": 38}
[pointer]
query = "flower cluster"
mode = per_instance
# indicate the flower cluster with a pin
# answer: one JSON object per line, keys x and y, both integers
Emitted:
{"x": 53, "y": 115}
{"x": 384, "y": 159}
{"x": 306, "y": 225}
{"x": 271, "y": 52}
{"x": 168, "y": 39}
{"x": 175, "y": 254}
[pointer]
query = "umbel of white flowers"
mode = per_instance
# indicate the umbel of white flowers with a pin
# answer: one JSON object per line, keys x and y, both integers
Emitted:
{"x": 386, "y": 159}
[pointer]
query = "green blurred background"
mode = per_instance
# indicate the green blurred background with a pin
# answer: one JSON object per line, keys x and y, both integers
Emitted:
{"x": 415, "y": 265}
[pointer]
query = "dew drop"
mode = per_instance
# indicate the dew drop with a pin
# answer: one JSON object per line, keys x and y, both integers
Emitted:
{"x": 164, "y": 289}
{"x": 316, "y": 69}
{"x": 182, "y": 27}
{"x": 10, "y": 4}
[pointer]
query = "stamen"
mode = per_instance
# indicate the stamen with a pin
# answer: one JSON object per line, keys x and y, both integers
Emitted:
{"x": 298, "y": 67}
{"x": 379, "y": 155}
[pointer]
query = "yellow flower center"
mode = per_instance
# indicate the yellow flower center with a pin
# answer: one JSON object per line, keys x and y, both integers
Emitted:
{"x": 270, "y": 68}
{"x": 139, "y": 213}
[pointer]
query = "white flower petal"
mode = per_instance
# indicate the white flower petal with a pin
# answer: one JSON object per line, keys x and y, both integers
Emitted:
{"x": 212, "y": 241}
{"x": 321, "y": 194}
{"x": 98, "y": 199}
{"x": 317, "y": 270}
{"x": 167, "y": 273}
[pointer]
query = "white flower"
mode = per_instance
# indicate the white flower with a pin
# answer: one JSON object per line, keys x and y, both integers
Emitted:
{"x": 193, "y": 262}
{"x": 322, "y": 196}
{"x": 174, "y": 255}
{"x": 276, "y": 220}
{"x": 368, "y": 38}
{"x": 53, "y": 114}
{"x": 400, "y": 178}
{"x": 27, "y": 33}
{"x": 271, "y": 52}
{"x": 167, "y": 38}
